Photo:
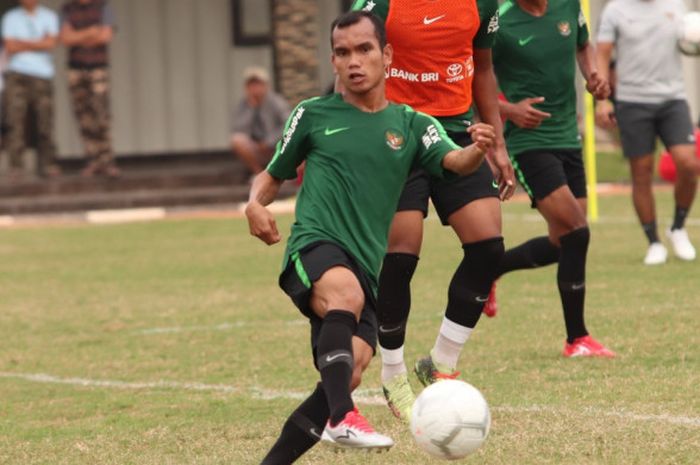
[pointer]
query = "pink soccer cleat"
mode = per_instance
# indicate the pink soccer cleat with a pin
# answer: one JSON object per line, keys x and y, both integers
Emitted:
{"x": 586, "y": 346}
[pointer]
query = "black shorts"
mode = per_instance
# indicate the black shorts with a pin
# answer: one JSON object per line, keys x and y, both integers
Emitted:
{"x": 543, "y": 171}
{"x": 306, "y": 267}
{"x": 640, "y": 123}
{"x": 448, "y": 195}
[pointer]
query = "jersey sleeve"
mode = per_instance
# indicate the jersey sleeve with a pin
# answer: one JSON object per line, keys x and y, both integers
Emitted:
{"x": 607, "y": 26}
{"x": 292, "y": 149}
{"x": 379, "y": 8}
{"x": 582, "y": 34}
{"x": 433, "y": 144}
{"x": 488, "y": 15}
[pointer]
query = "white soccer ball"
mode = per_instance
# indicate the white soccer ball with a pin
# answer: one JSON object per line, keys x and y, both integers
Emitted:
{"x": 689, "y": 42}
{"x": 450, "y": 419}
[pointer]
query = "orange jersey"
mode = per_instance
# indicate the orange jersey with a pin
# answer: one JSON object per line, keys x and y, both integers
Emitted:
{"x": 433, "y": 64}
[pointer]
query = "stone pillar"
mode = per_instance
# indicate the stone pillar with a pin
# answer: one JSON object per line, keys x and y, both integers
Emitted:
{"x": 295, "y": 44}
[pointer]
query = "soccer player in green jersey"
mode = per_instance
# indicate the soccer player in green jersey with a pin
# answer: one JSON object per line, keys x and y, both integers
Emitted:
{"x": 359, "y": 150}
{"x": 535, "y": 55}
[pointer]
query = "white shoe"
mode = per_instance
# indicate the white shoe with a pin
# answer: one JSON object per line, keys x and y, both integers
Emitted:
{"x": 656, "y": 254}
{"x": 681, "y": 244}
{"x": 355, "y": 432}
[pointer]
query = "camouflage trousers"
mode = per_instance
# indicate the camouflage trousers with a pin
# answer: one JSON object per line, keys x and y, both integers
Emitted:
{"x": 89, "y": 90}
{"x": 22, "y": 94}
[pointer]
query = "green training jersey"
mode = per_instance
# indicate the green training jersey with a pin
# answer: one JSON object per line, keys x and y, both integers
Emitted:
{"x": 446, "y": 32}
{"x": 356, "y": 166}
{"x": 536, "y": 56}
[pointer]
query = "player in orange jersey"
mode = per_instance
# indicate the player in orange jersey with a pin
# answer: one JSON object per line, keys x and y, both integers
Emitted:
{"x": 442, "y": 54}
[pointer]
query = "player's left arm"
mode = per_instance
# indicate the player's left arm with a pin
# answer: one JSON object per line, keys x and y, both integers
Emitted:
{"x": 467, "y": 159}
{"x": 440, "y": 156}
{"x": 485, "y": 92}
{"x": 596, "y": 83}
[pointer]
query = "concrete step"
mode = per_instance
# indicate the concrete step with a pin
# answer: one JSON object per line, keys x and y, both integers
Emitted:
{"x": 166, "y": 181}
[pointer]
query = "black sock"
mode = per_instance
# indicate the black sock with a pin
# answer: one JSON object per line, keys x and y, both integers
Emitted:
{"x": 571, "y": 279}
{"x": 394, "y": 298}
{"x": 534, "y": 253}
{"x": 679, "y": 218}
{"x": 650, "y": 231}
{"x": 301, "y": 431}
{"x": 335, "y": 361}
{"x": 471, "y": 283}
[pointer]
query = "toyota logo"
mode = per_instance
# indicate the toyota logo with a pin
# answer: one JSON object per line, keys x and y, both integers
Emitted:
{"x": 454, "y": 69}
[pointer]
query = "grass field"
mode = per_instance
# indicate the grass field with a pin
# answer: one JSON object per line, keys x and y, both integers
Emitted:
{"x": 170, "y": 343}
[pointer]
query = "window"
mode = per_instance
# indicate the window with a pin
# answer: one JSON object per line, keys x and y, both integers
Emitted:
{"x": 252, "y": 22}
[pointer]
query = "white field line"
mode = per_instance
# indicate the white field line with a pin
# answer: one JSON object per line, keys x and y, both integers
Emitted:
{"x": 127, "y": 215}
{"x": 7, "y": 221}
{"x": 362, "y": 396}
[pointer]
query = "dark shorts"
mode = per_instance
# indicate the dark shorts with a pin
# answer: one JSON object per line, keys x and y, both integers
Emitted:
{"x": 306, "y": 267}
{"x": 640, "y": 123}
{"x": 543, "y": 171}
{"x": 448, "y": 195}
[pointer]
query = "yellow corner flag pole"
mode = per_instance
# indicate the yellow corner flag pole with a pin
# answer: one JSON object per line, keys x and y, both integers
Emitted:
{"x": 589, "y": 139}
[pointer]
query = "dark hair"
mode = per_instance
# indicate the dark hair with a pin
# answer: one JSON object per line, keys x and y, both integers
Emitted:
{"x": 353, "y": 17}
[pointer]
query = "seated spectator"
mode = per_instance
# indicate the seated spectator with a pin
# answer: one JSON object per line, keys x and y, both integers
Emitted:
{"x": 258, "y": 122}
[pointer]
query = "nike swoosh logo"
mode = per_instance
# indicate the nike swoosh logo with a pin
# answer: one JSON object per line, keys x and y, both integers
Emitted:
{"x": 494, "y": 184}
{"x": 330, "y": 359}
{"x": 383, "y": 329}
{"x": 525, "y": 41}
{"x": 578, "y": 287}
{"x": 427, "y": 20}
{"x": 330, "y": 132}
{"x": 347, "y": 434}
{"x": 482, "y": 299}
{"x": 315, "y": 433}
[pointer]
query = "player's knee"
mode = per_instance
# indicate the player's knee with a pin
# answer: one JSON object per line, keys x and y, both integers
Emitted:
{"x": 484, "y": 255}
{"x": 687, "y": 169}
{"x": 350, "y": 298}
{"x": 577, "y": 239}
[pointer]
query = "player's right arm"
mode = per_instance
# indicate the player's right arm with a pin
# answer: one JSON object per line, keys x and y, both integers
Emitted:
{"x": 261, "y": 223}
{"x": 291, "y": 152}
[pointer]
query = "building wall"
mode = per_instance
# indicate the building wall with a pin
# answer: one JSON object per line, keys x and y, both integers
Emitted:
{"x": 176, "y": 73}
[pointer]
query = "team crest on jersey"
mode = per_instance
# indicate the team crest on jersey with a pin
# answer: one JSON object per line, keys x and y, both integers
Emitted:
{"x": 394, "y": 139}
{"x": 564, "y": 28}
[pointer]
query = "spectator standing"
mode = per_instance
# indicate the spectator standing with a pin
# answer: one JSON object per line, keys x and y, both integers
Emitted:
{"x": 258, "y": 121}
{"x": 650, "y": 101}
{"x": 87, "y": 29}
{"x": 29, "y": 32}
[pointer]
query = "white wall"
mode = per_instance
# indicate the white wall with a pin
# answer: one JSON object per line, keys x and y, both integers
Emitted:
{"x": 176, "y": 74}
